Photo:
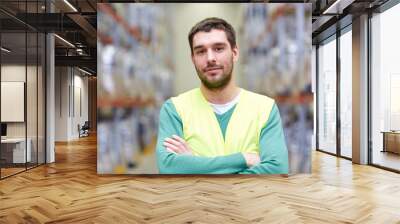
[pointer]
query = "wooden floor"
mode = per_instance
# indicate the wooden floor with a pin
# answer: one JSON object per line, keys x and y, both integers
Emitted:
{"x": 70, "y": 191}
{"x": 10, "y": 171}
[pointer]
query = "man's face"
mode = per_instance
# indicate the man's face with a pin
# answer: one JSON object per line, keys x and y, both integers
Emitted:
{"x": 213, "y": 58}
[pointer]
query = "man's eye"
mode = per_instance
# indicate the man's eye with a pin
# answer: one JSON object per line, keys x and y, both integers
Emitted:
{"x": 219, "y": 49}
{"x": 200, "y": 52}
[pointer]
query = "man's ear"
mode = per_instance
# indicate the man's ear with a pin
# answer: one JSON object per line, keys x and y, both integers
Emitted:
{"x": 235, "y": 51}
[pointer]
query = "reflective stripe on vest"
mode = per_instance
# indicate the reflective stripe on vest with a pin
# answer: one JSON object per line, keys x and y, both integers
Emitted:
{"x": 201, "y": 129}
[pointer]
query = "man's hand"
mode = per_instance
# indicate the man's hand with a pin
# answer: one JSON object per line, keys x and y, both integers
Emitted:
{"x": 177, "y": 145}
{"x": 252, "y": 159}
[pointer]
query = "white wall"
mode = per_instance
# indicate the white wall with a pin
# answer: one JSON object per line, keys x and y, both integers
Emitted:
{"x": 61, "y": 103}
{"x": 33, "y": 127}
{"x": 17, "y": 73}
{"x": 14, "y": 73}
{"x": 185, "y": 17}
{"x": 69, "y": 85}
{"x": 81, "y": 84}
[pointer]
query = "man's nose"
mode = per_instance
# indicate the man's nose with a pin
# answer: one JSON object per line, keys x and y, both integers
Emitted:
{"x": 210, "y": 56}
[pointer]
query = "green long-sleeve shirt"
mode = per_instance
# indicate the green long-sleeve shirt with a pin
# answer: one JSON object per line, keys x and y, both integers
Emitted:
{"x": 273, "y": 151}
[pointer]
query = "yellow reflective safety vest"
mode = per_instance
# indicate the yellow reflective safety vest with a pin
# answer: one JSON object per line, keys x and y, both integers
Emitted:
{"x": 201, "y": 129}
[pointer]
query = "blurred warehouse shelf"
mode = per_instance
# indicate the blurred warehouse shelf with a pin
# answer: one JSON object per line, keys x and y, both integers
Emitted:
{"x": 135, "y": 80}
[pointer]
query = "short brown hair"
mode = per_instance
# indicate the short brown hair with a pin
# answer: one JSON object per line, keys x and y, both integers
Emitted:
{"x": 208, "y": 24}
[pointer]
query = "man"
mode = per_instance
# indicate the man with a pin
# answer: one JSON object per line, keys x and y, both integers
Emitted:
{"x": 219, "y": 128}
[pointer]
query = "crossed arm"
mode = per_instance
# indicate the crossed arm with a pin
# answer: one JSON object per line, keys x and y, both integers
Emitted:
{"x": 174, "y": 155}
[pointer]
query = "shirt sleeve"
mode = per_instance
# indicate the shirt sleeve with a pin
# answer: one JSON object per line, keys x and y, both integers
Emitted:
{"x": 273, "y": 150}
{"x": 170, "y": 123}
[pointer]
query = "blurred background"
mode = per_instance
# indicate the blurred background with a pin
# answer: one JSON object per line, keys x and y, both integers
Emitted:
{"x": 144, "y": 58}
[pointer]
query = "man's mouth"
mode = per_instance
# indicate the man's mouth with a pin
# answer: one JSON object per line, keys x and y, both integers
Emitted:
{"x": 212, "y": 69}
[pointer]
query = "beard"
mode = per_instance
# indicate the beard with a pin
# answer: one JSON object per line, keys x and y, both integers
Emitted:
{"x": 220, "y": 82}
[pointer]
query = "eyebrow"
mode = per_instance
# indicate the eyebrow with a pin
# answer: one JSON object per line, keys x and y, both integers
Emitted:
{"x": 218, "y": 44}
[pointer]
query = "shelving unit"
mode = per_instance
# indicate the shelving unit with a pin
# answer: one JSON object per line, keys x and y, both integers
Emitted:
{"x": 134, "y": 79}
{"x": 276, "y": 63}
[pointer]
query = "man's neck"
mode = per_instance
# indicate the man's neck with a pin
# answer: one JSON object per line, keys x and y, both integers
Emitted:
{"x": 220, "y": 96}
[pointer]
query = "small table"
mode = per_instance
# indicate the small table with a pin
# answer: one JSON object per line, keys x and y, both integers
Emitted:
{"x": 391, "y": 141}
{"x": 18, "y": 151}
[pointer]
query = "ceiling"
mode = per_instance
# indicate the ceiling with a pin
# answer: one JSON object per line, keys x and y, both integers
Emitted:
{"x": 76, "y": 24}
{"x": 330, "y": 15}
